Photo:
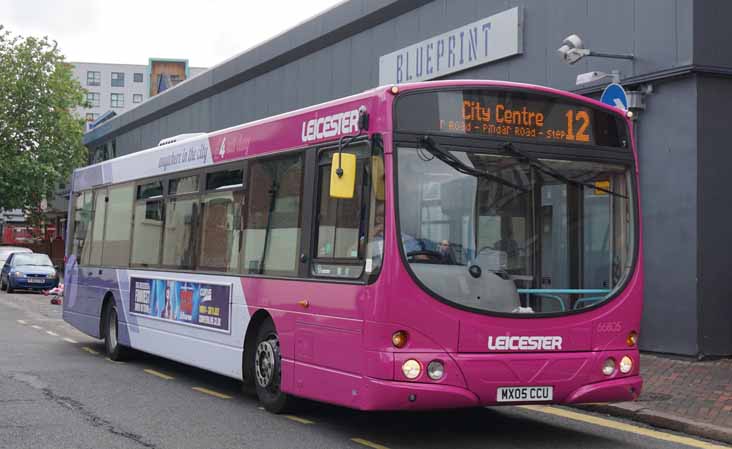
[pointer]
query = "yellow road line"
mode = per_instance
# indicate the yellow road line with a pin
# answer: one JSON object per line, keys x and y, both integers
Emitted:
{"x": 114, "y": 361}
{"x": 158, "y": 374}
{"x": 69, "y": 340}
{"x": 89, "y": 350}
{"x": 368, "y": 443}
{"x": 52, "y": 333}
{"x": 36, "y": 327}
{"x": 22, "y": 321}
{"x": 298, "y": 419}
{"x": 212, "y": 393}
{"x": 622, "y": 426}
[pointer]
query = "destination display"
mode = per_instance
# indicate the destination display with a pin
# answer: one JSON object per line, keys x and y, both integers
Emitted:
{"x": 509, "y": 114}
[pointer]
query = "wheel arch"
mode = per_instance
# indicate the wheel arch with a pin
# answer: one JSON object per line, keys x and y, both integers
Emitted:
{"x": 108, "y": 299}
{"x": 250, "y": 338}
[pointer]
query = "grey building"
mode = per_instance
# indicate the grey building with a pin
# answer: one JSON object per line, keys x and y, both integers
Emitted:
{"x": 681, "y": 53}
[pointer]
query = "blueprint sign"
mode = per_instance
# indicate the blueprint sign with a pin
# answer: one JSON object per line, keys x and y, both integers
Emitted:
{"x": 194, "y": 303}
{"x": 486, "y": 40}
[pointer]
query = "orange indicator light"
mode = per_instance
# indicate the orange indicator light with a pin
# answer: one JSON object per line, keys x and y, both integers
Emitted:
{"x": 399, "y": 339}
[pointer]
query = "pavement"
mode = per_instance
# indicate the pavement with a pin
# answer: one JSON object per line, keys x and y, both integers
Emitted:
{"x": 685, "y": 395}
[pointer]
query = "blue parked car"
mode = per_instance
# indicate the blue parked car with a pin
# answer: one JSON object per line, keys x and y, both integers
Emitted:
{"x": 29, "y": 271}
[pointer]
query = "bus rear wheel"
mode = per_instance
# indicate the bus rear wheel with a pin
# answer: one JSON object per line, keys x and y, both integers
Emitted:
{"x": 114, "y": 349}
{"x": 268, "y": 370}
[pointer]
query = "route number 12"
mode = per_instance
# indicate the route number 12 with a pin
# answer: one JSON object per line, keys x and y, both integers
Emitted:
{"x": 582, "y": 118}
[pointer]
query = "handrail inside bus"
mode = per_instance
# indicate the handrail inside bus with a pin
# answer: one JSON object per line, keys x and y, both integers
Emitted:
{"x": 555, "y": 298}
{"x": 565, "y": 291}
{"x": 550, "y": 293}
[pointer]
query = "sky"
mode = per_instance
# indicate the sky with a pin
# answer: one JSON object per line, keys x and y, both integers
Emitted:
{"x": 206, "y": 32}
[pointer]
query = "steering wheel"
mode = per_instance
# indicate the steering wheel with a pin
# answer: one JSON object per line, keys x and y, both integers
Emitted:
{"x": 429, "y": 256}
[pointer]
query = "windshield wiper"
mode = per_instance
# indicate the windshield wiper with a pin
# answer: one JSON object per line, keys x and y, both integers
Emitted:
{"x": 450, "y": 159}
{"x": 536, "y": 163}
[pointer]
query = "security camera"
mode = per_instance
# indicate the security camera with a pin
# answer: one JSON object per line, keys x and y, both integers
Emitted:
{"x": 591, "y": 77}
{"x": 572, "y": 49}
{"x": 573, "y": 41}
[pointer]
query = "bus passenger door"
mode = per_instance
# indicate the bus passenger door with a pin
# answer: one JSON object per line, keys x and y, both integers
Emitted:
{"x": 80, "y": 246}
{"x": 92, "y": 291}
{"x": 329, "y": 327}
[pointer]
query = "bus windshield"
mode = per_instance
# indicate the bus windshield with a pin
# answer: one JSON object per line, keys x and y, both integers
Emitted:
{"x": 531, "y": 236}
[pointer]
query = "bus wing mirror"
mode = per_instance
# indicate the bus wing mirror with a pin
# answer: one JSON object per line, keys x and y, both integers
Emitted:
{"x": 377, "y": 177}
{"x": 343, "y": 175}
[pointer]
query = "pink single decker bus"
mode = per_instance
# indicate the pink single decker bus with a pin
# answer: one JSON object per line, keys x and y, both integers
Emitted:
{"x": 421, "y": 246}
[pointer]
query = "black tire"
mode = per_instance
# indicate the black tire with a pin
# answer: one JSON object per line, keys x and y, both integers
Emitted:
{"x": 267, "y": 369}
{"x": 8, "y": 288}
{"x": 2, "y": 285}
{"x": 114, "y": 349}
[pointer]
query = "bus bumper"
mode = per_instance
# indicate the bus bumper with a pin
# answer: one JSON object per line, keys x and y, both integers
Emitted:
{"x": 618, "y": 390}
{"x": 394, "y": 395}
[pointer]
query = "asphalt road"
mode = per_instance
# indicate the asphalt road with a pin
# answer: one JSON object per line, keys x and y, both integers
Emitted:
{"x": 57, "y": 390}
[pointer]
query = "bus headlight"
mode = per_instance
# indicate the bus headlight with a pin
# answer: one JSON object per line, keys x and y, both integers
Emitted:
{"x": 411, "y": 369}
{"x": 435, "y": 370}
{"x": 608, "y": 368}
{"x": 626, "y": 364}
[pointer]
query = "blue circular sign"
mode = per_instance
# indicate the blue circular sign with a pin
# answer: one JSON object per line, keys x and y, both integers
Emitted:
{"x": 615, "y": 95}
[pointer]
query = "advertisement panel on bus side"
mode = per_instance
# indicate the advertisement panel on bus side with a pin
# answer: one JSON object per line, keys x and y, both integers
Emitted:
{"x": 194, "y": 303}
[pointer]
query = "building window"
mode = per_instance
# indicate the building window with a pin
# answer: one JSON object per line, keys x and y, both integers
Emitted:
{"x": 118, "y": 79}
{"x": 93, "y": 78}
{"x": 137, "y": 77}
{"x": 175, "y": 79}
{"x": 117, "y": 100}
{"x": 90, "y": 116}
{"x": 93, "y": 98}
{"x": 137, "y": 98}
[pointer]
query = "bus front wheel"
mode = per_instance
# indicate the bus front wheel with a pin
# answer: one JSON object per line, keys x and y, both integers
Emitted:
{"x": 268, "y": 369}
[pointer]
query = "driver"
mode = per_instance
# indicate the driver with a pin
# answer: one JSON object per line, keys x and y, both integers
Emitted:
{"x": 375, "y": 247}
{"x": 445, "y": 251}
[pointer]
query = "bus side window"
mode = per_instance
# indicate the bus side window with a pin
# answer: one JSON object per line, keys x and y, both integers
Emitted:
{"x": 271, "y": 221}
{"x": 119, "y": 225}
{"x": 181, "y": 223}
{"x": 147, "y": 230}
{"x": 342, "y": 223}
{"x": 220, "y": 225}
{"x": 82, "y": 228}
{"x": 97, "y": 235}
{"x": 339, "y": 218}
{"x": 375, "y": 242}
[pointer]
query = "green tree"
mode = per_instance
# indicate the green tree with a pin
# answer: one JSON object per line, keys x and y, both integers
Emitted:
{"x": 40, "y": 138}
